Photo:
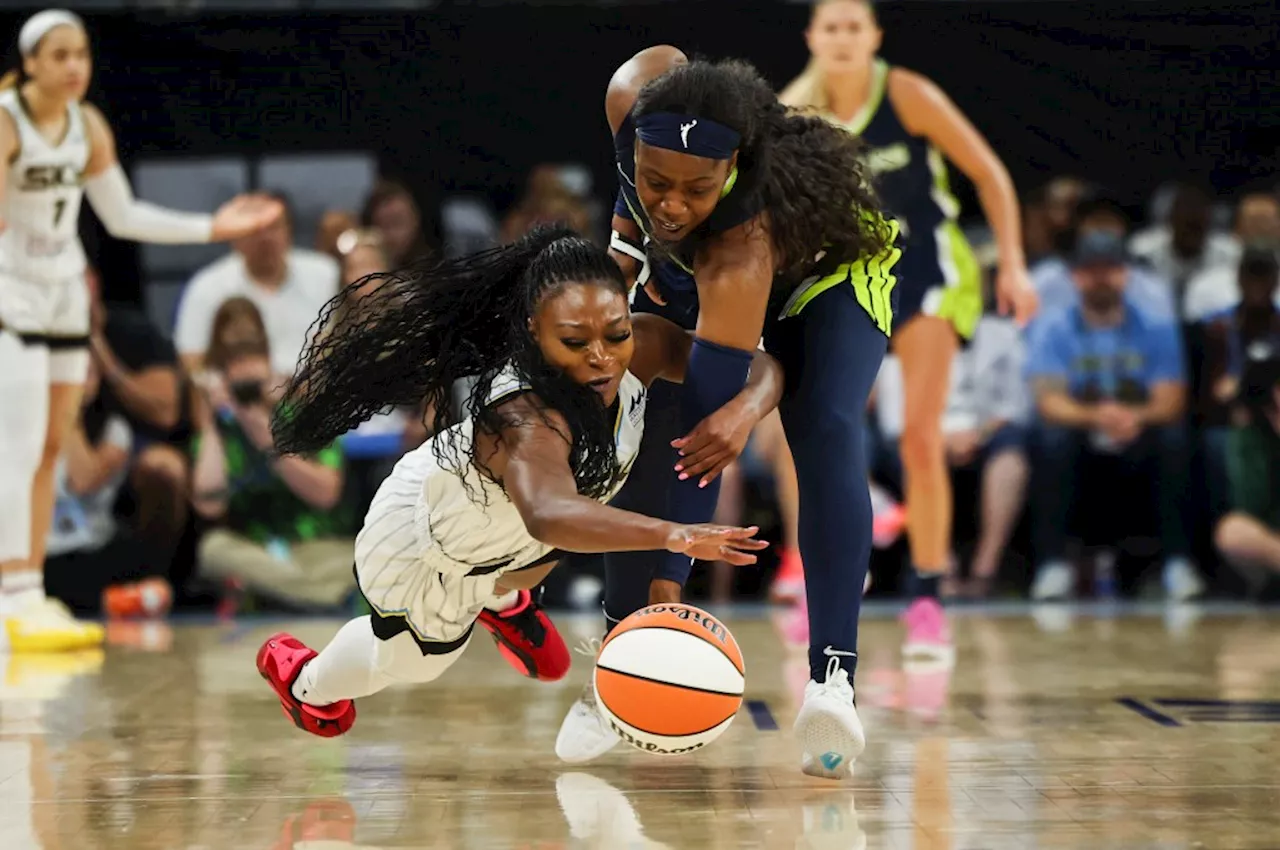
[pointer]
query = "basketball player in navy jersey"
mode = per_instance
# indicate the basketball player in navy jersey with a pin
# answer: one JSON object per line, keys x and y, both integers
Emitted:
{"x": 741, "y": 219}
{"x": 910, "y": 125}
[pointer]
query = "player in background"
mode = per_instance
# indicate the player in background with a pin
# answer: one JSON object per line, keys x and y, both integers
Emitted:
{"x": 58, "y": 149}
{"x": 911, "y": 128}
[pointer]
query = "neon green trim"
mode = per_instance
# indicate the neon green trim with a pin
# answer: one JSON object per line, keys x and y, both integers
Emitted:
{"x": 879, "y": 86}
{"x": 961, "y": 303}
{"x": 872, "y": 281}
{"x": 729, "y": 183}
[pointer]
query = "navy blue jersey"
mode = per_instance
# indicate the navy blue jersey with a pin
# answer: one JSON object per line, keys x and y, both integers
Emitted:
{"x": 910, "y": 175}
{"x": 739, "y": 203}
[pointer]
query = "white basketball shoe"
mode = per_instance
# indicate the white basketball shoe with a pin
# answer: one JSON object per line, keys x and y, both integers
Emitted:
{"x": 827, "y": 726}
{"x": 585, "y": 734}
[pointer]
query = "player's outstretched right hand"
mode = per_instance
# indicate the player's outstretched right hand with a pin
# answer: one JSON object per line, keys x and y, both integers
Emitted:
{"x": 716, "y": 543}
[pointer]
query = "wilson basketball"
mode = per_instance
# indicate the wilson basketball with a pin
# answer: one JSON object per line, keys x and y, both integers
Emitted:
{"x": 669, "y": 679}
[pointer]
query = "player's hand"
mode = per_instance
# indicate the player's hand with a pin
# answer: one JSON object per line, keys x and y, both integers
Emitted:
{"x": 245, "y": 214}
{"x": 655, "y": 294}
{"x": 714, "y": 443}
{"x": 1014, "y": 293}
{"x": 716, "y": 543}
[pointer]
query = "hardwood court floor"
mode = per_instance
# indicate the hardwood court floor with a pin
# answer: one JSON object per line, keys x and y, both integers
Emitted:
{"x": 1065, "y": 730}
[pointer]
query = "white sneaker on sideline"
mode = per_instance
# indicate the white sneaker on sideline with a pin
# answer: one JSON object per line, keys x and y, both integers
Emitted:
{"x": 1181, "y": 581}
{"x": 1055, "y": 580}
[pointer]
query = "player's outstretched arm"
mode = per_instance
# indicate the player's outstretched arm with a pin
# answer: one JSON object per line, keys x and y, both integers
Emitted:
{"x": 539, "y": 482}
{"x": 126, "y": 217}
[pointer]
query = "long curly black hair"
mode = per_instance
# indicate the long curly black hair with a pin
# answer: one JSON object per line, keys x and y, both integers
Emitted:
{"x": 400, "y": 338}
{"x": 810, "y": 174}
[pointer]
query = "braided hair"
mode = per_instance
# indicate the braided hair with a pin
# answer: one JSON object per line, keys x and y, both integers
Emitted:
{"x": 397, "y": 339}
{"x": 810, "y": 175}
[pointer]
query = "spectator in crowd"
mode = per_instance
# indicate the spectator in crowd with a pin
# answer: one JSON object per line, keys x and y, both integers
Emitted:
{"x": 1216, "y": 289}
{"x": 548, "y": 199}
{"x": 391, "y": 210}
{"x": 1037, "y": 233}
{"x": 284, "y": 534}
{"x": 1249, "y": 536}
{"x": 1228, "y": 337}
{"x": 142, "y": 382}
{"x": 1062, "y": 197}
{"x": 1097, "y": 213}
{"x": 1107, "y": 375}
{"x": 1186, "y": 245}
{"x": 333, "y": 224}
{"x": 984, "y": 429}
{"x": 288, "y": 284}
{"x": 93, "y": 564}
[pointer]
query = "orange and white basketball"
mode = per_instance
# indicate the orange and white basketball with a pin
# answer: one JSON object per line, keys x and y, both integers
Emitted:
{"x": 669, "y": 679}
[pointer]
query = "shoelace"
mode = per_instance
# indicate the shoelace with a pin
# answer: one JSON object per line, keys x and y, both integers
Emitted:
{"x": 837, "y": 676}
{"x": 589, "y": 647}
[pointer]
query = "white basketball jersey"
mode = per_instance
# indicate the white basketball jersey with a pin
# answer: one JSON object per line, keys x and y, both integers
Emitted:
{"x": 42, "y": 196}
{"x": 489, "y": 530}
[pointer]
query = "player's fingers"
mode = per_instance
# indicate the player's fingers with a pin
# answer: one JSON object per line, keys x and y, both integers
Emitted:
{"x": 738, "y": 559}
{"x": 702, "y": 462}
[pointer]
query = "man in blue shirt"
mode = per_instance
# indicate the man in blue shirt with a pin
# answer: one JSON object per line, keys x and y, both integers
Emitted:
{"x": 1108, "y": 379}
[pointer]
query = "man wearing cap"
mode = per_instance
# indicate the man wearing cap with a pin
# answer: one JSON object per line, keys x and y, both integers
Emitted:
{"x": 1108, "y": 380}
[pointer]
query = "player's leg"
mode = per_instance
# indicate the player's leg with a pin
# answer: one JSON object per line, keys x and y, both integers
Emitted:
{"x": 926, "y": 346}
{"x": 831, "y": 353}
{"x": 24, "y": 409}
{"x": 368, "y": 654}
{"x": 522, "y": 631}
{"x": 46, "y": 624}
{"x": 418, "y": 628}
{"x": 941, "y": 302}
{"x": 585, "y": 735}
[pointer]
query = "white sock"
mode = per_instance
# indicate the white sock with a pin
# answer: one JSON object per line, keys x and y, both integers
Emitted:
{"x": 345, "y": 669}
{"x": 357, "y": 663}
{"x": 20, "y": 589}
{"x": 505, "y": 602}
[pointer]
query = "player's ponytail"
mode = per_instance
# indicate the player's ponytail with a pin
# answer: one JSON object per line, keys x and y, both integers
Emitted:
{"x": 398, "y": 339}
{"x": 11, "y": 80}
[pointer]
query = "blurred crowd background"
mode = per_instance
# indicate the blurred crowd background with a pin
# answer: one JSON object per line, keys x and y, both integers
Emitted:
{"x": 1142, "y": 137}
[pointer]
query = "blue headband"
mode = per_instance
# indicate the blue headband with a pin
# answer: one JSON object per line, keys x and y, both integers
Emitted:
{"x": 687, "y": 134}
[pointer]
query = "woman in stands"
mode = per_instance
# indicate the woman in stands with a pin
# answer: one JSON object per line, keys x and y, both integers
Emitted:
{"x": 59, "y": 149}
{"x": 910, "y": 125}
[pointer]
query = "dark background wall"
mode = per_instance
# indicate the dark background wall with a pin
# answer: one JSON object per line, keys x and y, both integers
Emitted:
{"x": 468, "y": 97}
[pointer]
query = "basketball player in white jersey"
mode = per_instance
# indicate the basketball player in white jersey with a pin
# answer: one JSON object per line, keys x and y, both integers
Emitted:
{"x": 482, "y": 510}
{"x": 57, "y": 149}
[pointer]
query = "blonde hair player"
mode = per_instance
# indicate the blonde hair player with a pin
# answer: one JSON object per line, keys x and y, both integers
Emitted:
{"x": 909, "y": 126}
{"x": 59, "y": 149}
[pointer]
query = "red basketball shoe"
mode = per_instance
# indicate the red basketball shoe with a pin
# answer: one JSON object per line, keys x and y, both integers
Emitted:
{"x": 528, "y": 639}
{"x": 280, "y": 661}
